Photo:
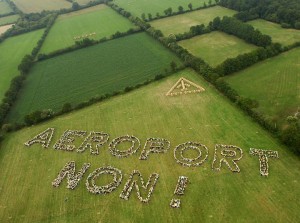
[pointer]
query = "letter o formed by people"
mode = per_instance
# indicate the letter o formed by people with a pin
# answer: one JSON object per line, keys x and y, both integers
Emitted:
{"x": 135, "y": 145}
{"x": 106, "y": 189}
{"x": 190, "y": 162}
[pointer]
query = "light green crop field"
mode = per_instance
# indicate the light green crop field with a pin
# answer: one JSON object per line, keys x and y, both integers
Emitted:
{"x": 278, "y": 34}
{"x": 29, "y": 6}
{"x": 12, "y": 51}
{"x": 27, "y": 195}
{"x": 138, "y": 7}
{"x": 215, "y": 47}
{"x": 4, "y": 8}
{"x": 82, "y": 22}
{"x": 78, "y": 76}
{"x": 8, "y": 19}
{"x": 182, "y": 23}
{"x": 274, "y": 83}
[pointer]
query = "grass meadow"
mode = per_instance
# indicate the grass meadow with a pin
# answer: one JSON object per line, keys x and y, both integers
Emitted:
{"x": 182, "y": 23}
{"x": 26, "y": 193}
{"x": 274, "y": 83}
{"x": 12, "y": 51}
{"x": 278, "y": 34}
{"x": 29, "y": 6}
{"x": 138, "y": 7}
{"x": 94, "y": 71}
{"x": 4, "y": 8}
{"x": 73, "y": 24}
{"x": 8, "y": 19}
{"x": 215, "y": 47}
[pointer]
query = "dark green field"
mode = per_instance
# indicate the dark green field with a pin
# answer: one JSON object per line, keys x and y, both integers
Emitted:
{"x": 94, "y": 71}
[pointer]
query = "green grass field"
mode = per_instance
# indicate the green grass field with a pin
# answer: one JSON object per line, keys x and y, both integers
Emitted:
{"x": 215, "y": 47}
{"x": 278, "y": 34}
{"x": 4, "y": 8}
{"x": 93, "y": 71}
{"x": 8, "y": 19}
{"x": 138, "y": 7}
{"x": 26, "y": 193}
{"x": 12, "y": 51}
{"x": 274, "y": 83}
{"x": 83, "y": 22}
{"x": 182, "y": 23}
{"x": 29, "y": 6}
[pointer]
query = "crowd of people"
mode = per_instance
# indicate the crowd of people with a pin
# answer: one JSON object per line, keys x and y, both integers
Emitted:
{"x": 133, "y": 183}
{"x": 181, "y": 185}
{"x": 64, "y": 143}
{"x": 84, "y": 36}
{"x": 227, "y": 151}
{"x": 175, "y": 203}
{"x": 190, "y": 162}
{"x": 135, "y": 145}
{"x": 94, "y": 189}
{"x": 263, "y": 159}
{"x": 184, "y": 92}
{"x": 72, "y": 178}
{"x": 156, "y": 145}
{"x": 100, "y": 138}
{"x": 44, "y": 138}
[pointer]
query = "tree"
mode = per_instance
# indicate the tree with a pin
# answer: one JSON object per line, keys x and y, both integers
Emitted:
{"x": 75, "y": 6}
{"x": 180, "y": 9}
{"x": 173, "y": 66}
{"x": 149, "y": 16}
{"x": 143, "y": 16}
{"x": 209, "y": 2}
{"x": 66, "y": 108}
{"x": 190, "y": 6}
{"x": 157, "y": 15}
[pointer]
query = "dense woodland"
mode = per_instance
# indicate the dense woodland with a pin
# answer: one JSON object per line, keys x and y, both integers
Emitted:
{"x": 285, "y": 12}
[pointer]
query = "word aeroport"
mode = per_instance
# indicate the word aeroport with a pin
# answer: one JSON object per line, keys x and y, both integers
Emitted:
{"x": 223, "y": 154}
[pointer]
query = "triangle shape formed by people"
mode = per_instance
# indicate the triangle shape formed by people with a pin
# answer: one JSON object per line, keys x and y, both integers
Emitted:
{"x": 184, "y": 86}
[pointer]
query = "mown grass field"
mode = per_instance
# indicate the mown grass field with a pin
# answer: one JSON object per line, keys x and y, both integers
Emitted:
{"x": 29, "y": 6}
{"x": 274, "y": 83}
{"x": 8, "y": 19}
{"x": 94, "y": 71}
{"x": 182, "y": 23}
{"x": 4, "y": 28}
{"x": 12, "y": 51}
{"x": 26, "y": 193}
{"x": 138, "y": 7}
{"x": 278, "y": 34}
{"x": 82, "y": 22}
{"x": 4, "y": 8}
{"x": 215, "y": 47}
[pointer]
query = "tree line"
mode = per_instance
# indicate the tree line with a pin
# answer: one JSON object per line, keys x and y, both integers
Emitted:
{"x": 170, "y": 12}
{"x": 287, "y": 13}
